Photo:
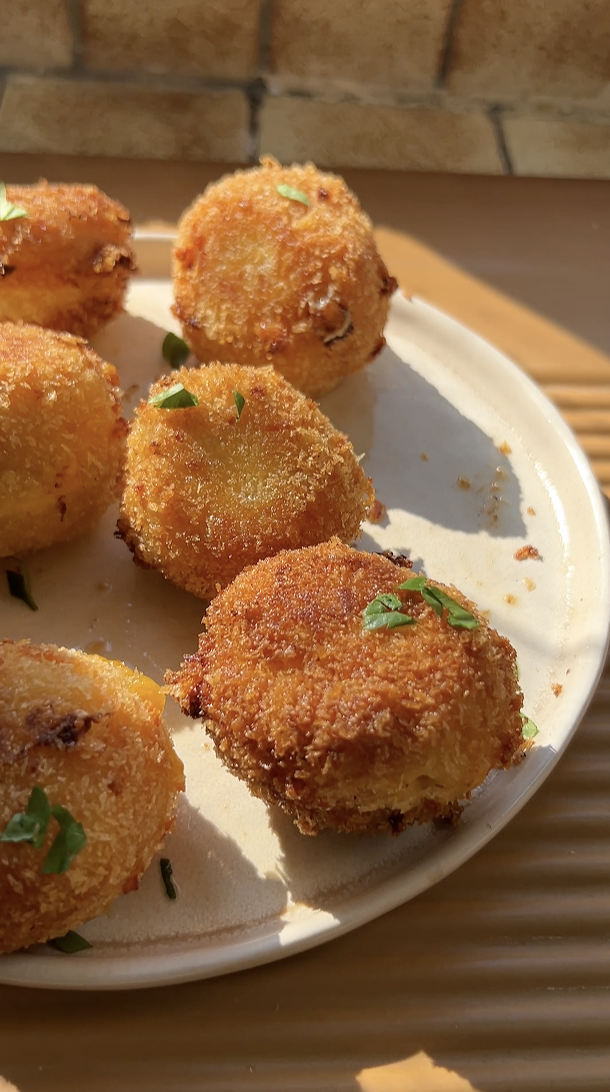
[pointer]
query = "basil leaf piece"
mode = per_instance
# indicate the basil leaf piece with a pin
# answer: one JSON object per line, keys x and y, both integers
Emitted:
{"x": 528, "y": 728}
{"x": 18, "y": 579}
{"x": 176, "y": 397}
{"x": 30, "y": 825}
{"x": 381, "y": 603}
{"x": 292, "y": 194}
{"x": 175, "y": 350}
{"x": 68, "y": 843}
{"x": 166, "y": 876}
{"x": 7, "y": 210}
{"x": 456, "y": 615}
{"x": 70, "y": 943}
{"x": 390, "y": 619}
{"x": 415, "y": 583}
{"x": 240, "y": 402}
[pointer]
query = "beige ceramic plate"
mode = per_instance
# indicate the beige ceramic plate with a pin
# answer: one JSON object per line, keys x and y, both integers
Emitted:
{"x": 472, "y": 463}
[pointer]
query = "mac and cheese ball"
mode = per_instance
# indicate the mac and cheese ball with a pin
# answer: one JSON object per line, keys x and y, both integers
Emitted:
{"x": 66, "y": 263}
{"x": 213, "y": 487}
{"x": 341, "y": 726}
{"x": 278, "y": 265}
{"x": 62, "y": 438}
{"x": 89, "y": 732}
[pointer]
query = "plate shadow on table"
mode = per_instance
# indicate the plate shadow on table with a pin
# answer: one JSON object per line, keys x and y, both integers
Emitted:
{"x": 424, "y": 455}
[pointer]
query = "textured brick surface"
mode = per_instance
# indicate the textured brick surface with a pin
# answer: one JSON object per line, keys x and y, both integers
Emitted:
{"x": 35, "y": 34}
{"x": 89, "y": 118}
{"x": 510, "y": 50}
{"x": 211, "y": 38}
{"x": 395, "y": 43}
{"x": 556, "y": 147}
{"x": 349, "y": 135}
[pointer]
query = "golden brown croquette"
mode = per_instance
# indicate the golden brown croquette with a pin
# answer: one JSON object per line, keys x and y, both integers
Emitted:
{"x": 62, "y": 437}
{"x": 260, "y": 277}
{"x": 343, "y": 727}
{"x": 66, "y": 264}
{"x": 90, "y": 733}
{"x": 211, "y": 489}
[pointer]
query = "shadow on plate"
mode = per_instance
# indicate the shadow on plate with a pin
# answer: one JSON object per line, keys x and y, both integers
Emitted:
{"x": 425, "y": 457}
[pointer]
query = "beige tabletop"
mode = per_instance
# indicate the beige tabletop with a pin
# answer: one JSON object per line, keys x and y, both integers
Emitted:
{"x": 498, "y": 978}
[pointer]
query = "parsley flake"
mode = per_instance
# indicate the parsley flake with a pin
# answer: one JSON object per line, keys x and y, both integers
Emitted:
{"x": 383, "y": 613}
{"x": 528, "y": 728}
{"x": 176, "y": 397}
{"x": 166, "y": 876}
{"x": 68, "y": 843}
{"x": 7, "y": 210}
{"x": 292, "y": 194}
{"x": 31, "y": 826}
{"x": 240, "y": 402}
{"x": 70, "y": 943}
{"x": 18, "y": 579}
{"x": 457, "y": 616}
{"x": 175, "y": 350}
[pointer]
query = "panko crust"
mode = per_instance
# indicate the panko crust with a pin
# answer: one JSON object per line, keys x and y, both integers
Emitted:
{"x": 89, "y": 732}
{"x": 263, "y": 279}
{"x": 62, "y": 438}
{"x": 67, "y": 263}
{"x": 207, "y": 493}
{"x": 341, "y": 727}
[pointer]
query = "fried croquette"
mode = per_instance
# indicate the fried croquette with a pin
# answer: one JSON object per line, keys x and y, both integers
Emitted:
{"x": 262, "y": 276}
{"x": 66, "y": 263}
{"x": 215, "y": 487}
{"x": 344, "y": 727}
{"x": 88, "y": 732}
{"x": 62, "y": 438}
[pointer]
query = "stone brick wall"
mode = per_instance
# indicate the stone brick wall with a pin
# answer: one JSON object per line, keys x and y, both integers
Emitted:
{"x": 478, "y": 86}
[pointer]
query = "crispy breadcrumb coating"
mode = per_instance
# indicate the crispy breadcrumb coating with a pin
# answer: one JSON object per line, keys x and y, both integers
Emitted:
{"x": 90, "y": 733}
{"x": 341, "y": 727}
{"x": 62, "y": 437}
{"x": 208, "y": 493}
{"x": 67, "y": 263}
{"x": 260, "y": 278}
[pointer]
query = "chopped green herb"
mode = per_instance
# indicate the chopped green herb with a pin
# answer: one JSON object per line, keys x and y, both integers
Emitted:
{"x": 528, "y": 728}
{"x": 391, "y": 619}
{"x": 382, "y": 613}
{"x": 176, "y": 397}
{"x": 175, "y": 350}
{"x": 7, "y": 210}
{"x": 292, "y": 194}
{"x": 383, "y": 602}
{"x": 456, "y": 615}
{"x": 240, "y": 402}
{"x": 31, "y": 826}
{"x": 70, "y": 943}
{"x": 19, "y": 586}
{"x": 414, "y": 583}
{"x": 68, "y": 843}
{"x": 166, "y": 876}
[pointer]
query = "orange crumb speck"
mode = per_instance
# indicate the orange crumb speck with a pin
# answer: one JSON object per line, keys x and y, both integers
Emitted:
{"x": 531, "y": 511}
{"x": 504, "y": 448}
{"x": 463, "y": 483}
{"x": 557, "y": 688}
{"x": 510, "y": 599}
{"x": 377, "y": 511}
{"x": 530, "y": 585}
{"x": 424, "y": 457}
{"x": 526, "y": 553}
